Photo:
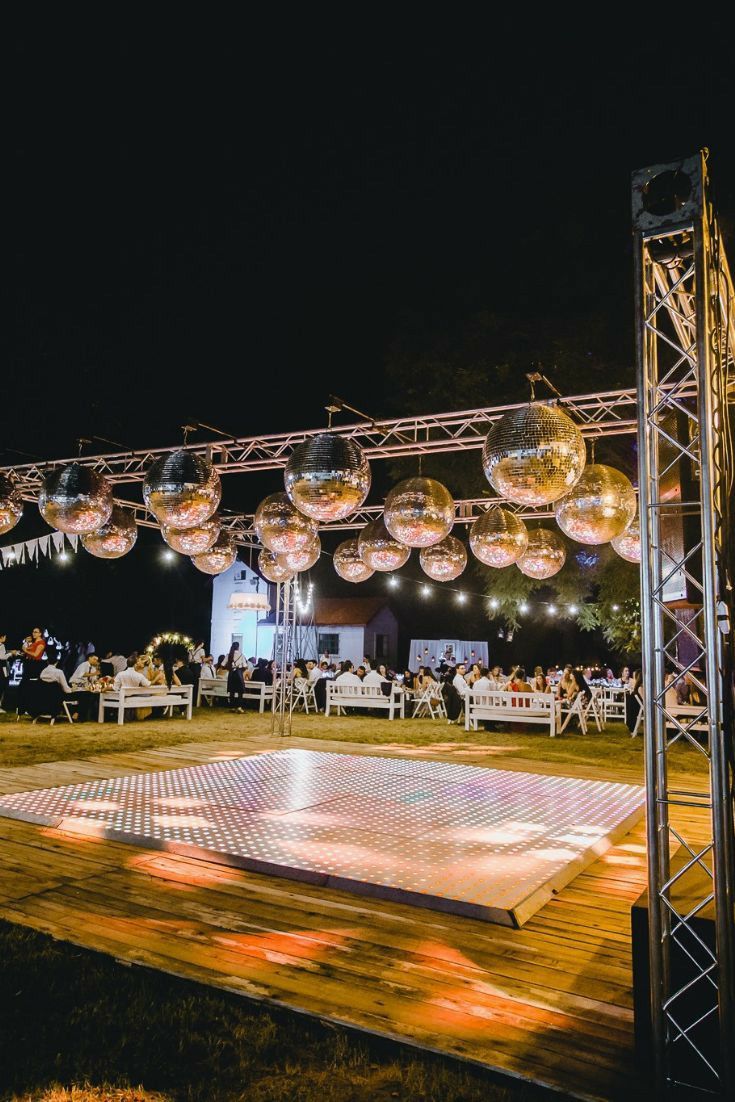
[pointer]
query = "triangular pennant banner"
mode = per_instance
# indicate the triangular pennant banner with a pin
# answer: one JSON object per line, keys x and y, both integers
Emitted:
{"x": 32, "y": 549}
{"x": 43, "y": 542}
{"x": 57, "y": 538}
{"x": 74, "y": 541}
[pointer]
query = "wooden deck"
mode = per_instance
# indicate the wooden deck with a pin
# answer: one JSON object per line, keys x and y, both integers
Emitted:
{"x": 551, "y": 1003}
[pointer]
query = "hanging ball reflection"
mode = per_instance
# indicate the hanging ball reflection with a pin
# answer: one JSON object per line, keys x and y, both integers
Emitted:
{"x": 533, "y": 455}
{"x": 303, "y": 558}
{"x": 272, "y": 568}
{"x": 445, "y": 560}
{"x": 379, "y": 550}
{"x": 600, "y": 507}
{"x": 544, "y": 556}
{"x": 11, "y": 504}
{"x": 220, "y": 556}
{"x": 75, "y": 499}
{"x": 498, "y": 538}
{"x": 628, "y": 543}
{"x": 349, "y": 565}
{"x": 327, "y": 477}
{"x": 192, "y": 541}
{"x": 419, "y": 512}
{"x": 182, "y": 489}
{"x": 281, "y": 527}
{"x": 115, "y": 538}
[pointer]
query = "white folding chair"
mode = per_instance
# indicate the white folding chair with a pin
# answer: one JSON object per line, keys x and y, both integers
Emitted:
{"x": 596, "y": 706}
{"x": 421, "y": 705}
{"x": 576, "y": 708}
{"x": 303, "y": 695}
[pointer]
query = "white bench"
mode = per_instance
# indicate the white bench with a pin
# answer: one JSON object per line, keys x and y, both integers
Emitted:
{"x": 341, "y": 695}
{"x": 260, "y": 691}
{"x": 157, "y": 696}
{"x": 211, "y": 689}
{"x": 506, "y": 707}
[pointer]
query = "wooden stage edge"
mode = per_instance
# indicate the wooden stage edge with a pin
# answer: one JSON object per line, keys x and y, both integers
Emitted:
{"x": 550, "y": 1003}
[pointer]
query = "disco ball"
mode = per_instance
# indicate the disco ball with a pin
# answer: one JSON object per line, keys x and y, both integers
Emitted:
{"x": 379, "y": 550}
{"x": 192, "y": 541}
{"x": 281, "y": 527}
{"x": 272, "y": 568}
{"x": 498, "y": 538}
{"x": 11, "y": 504}
{"x": 182, "y": 489}
{"x": 75, "y": 499}
{"x": 220, "y": 556}
{"x": 533, "y": 455}
{"x": 303, "y": 558}
{"x": 444, "y": 561}
{"x": 628, "y": 543}
{"x": 419, "y": 512}
{"x": 600, "y": 507}
{"x": 115, "y": 538}
{"x": 349, "y": 565}
{"x": 327, "y": 477}
{"x": 544, "y": 556}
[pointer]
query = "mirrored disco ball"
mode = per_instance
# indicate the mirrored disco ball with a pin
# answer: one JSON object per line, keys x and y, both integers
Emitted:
{"x": 281, "y": 527}
{"x": 349, "y": 565}
{"x": 115, "y": 538}
{"x": 182, "y": 489}
{"x": 445, "y": 560}
{"x": 419, "y": 512}
{"x": 327, "y": 477}
{"x": 600, "y": 507}
{"x": 192, "y": 541}
{"x": 11, "y": 504}
{"x": 220, "y": 556}
{"x": 628, "y": 543}
{"x": 544, "y": 556}
{"x": 75, "y": 499}
{"x": 303, "y": 558}
{"x": 533, "y": 455}
{"x": 498, "y": 538}
{"x": 379, "y": 550}
{"x": 272, "y": 568}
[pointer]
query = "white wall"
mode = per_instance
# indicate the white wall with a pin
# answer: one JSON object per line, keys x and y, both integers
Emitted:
{"x": 257, "y": 639}
{"x": 351, "y": 641}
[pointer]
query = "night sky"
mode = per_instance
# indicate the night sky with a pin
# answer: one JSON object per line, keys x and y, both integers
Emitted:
{"x": 227, "y": 228}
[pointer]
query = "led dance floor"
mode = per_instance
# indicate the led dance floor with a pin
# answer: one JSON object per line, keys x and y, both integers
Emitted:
{"x": 487, "y": 843}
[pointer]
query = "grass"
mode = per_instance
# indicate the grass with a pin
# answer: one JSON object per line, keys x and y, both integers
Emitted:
{"x": 68, "y": 1016}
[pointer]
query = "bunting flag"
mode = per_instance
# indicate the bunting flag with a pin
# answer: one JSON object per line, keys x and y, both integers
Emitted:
{"x": 15, "y": 554}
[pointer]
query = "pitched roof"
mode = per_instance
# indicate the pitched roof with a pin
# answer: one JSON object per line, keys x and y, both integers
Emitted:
{"x": 347, "y": 610}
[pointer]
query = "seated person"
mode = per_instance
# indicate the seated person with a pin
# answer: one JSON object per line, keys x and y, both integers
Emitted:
{"x": 155, "y": 672}
{"x": 56, "y": 687}
{"x": 348, "y": 675}
{"x": 132, "y": 677}
{"x": 208, "y": 673}
{"x": 86, "y": 672}
{"x": 182, "y": 674}
{"x": 483, "y": 682}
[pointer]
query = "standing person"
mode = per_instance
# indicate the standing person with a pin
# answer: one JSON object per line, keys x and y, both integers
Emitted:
{"x": 235, "y": 664}
{"x": 198, "y": 653}
{"x": 633, "y": 700}
{"x": 118, "y": 663}
{"x": 4, "y": 668}
{"x": 34, "y": 649}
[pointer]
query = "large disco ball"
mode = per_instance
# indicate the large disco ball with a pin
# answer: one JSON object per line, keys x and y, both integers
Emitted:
{"x": 11, "y": 504}
{"x": 379, "y": 550}
{"x": 533, "y": 455}
{"x": 220, "y": 556}
{"x": 419, "y": 512}
{"x": 327, "y": 477}
{"x": 272, "y": 568}
{"x": 75, "y": 499}
{"x": 600, "y": 507}
{"x": 628, "y": 543}
{"x": 444, "y": 561}
{"x": 349, "y": 565}
{"x": 115, "y": 538}
{"x": 281, "y": 527}
{"x": 192, "y": 541}
{"x": 303, "y": 558}
{"x": 544, "y": 556}
{"x": 182, "y": 489}
{"x": 498, "y": 538}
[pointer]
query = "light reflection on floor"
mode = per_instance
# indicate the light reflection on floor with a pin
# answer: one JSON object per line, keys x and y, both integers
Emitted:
{"x": 488, "y": 843}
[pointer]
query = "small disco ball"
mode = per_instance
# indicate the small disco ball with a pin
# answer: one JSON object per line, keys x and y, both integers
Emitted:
{"x": 303, "y": 558}
{"x": 349, "y": 565}
{"x": 281, "y": 527}
{"x": 220, "y": 556}
{"x": 600, "y": 507}
{"x": 379, "y": 550}
{"x": 419, "y": 512}
{"x": 327, "y": 477}
{"x": 444, "y": 561}
{"x": 628, "y": 543}
{"x": 11, "y": 504}
{"x": 498, "y": 538}
{"x": 192, "y": 541}
{"x": 115, "y": 538}
{"x": 544, "y": 556}
{"x": 182, "y": 489}
{"x": 533, "y": 455}
{"x": 272, "y": 567}
{"x": 75, "y": 499}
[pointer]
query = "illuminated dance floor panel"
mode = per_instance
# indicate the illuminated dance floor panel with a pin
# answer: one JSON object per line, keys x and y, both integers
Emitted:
{"x": 487, "y": 843}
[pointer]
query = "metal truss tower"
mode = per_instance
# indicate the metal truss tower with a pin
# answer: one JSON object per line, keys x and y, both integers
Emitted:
{"x": 685, "y": 332}
{"x": 283, "y": 656}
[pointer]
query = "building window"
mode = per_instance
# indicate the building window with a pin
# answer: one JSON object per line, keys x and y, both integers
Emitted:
{"x": 328, "y": 643}
{"x": 382, "y": 642}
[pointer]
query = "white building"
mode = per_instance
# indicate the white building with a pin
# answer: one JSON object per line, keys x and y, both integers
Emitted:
{"x": 349, "y": 628}
{"x": 248, "y": 627}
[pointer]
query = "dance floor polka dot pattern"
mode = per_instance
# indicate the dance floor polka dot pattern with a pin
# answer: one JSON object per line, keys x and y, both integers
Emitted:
{"x": 487, "y": 843}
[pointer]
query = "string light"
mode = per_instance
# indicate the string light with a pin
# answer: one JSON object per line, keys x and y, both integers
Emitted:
{"x": 523, "y": 607}
{"x": 573, "y": 610}
{"x": 62, "y": 556}
{"x": 425, "y": 591}
{"x": 393, "y": 582}
{"x": 168, "y": 555}
{"x": 551, "y": 610}
{"x": 461, "y": 598}
{"x": 494, "y": 602}
{"x": 616, "y": 608}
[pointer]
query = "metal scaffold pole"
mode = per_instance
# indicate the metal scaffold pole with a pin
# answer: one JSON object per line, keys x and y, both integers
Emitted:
{"x": 283, "y": 644}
